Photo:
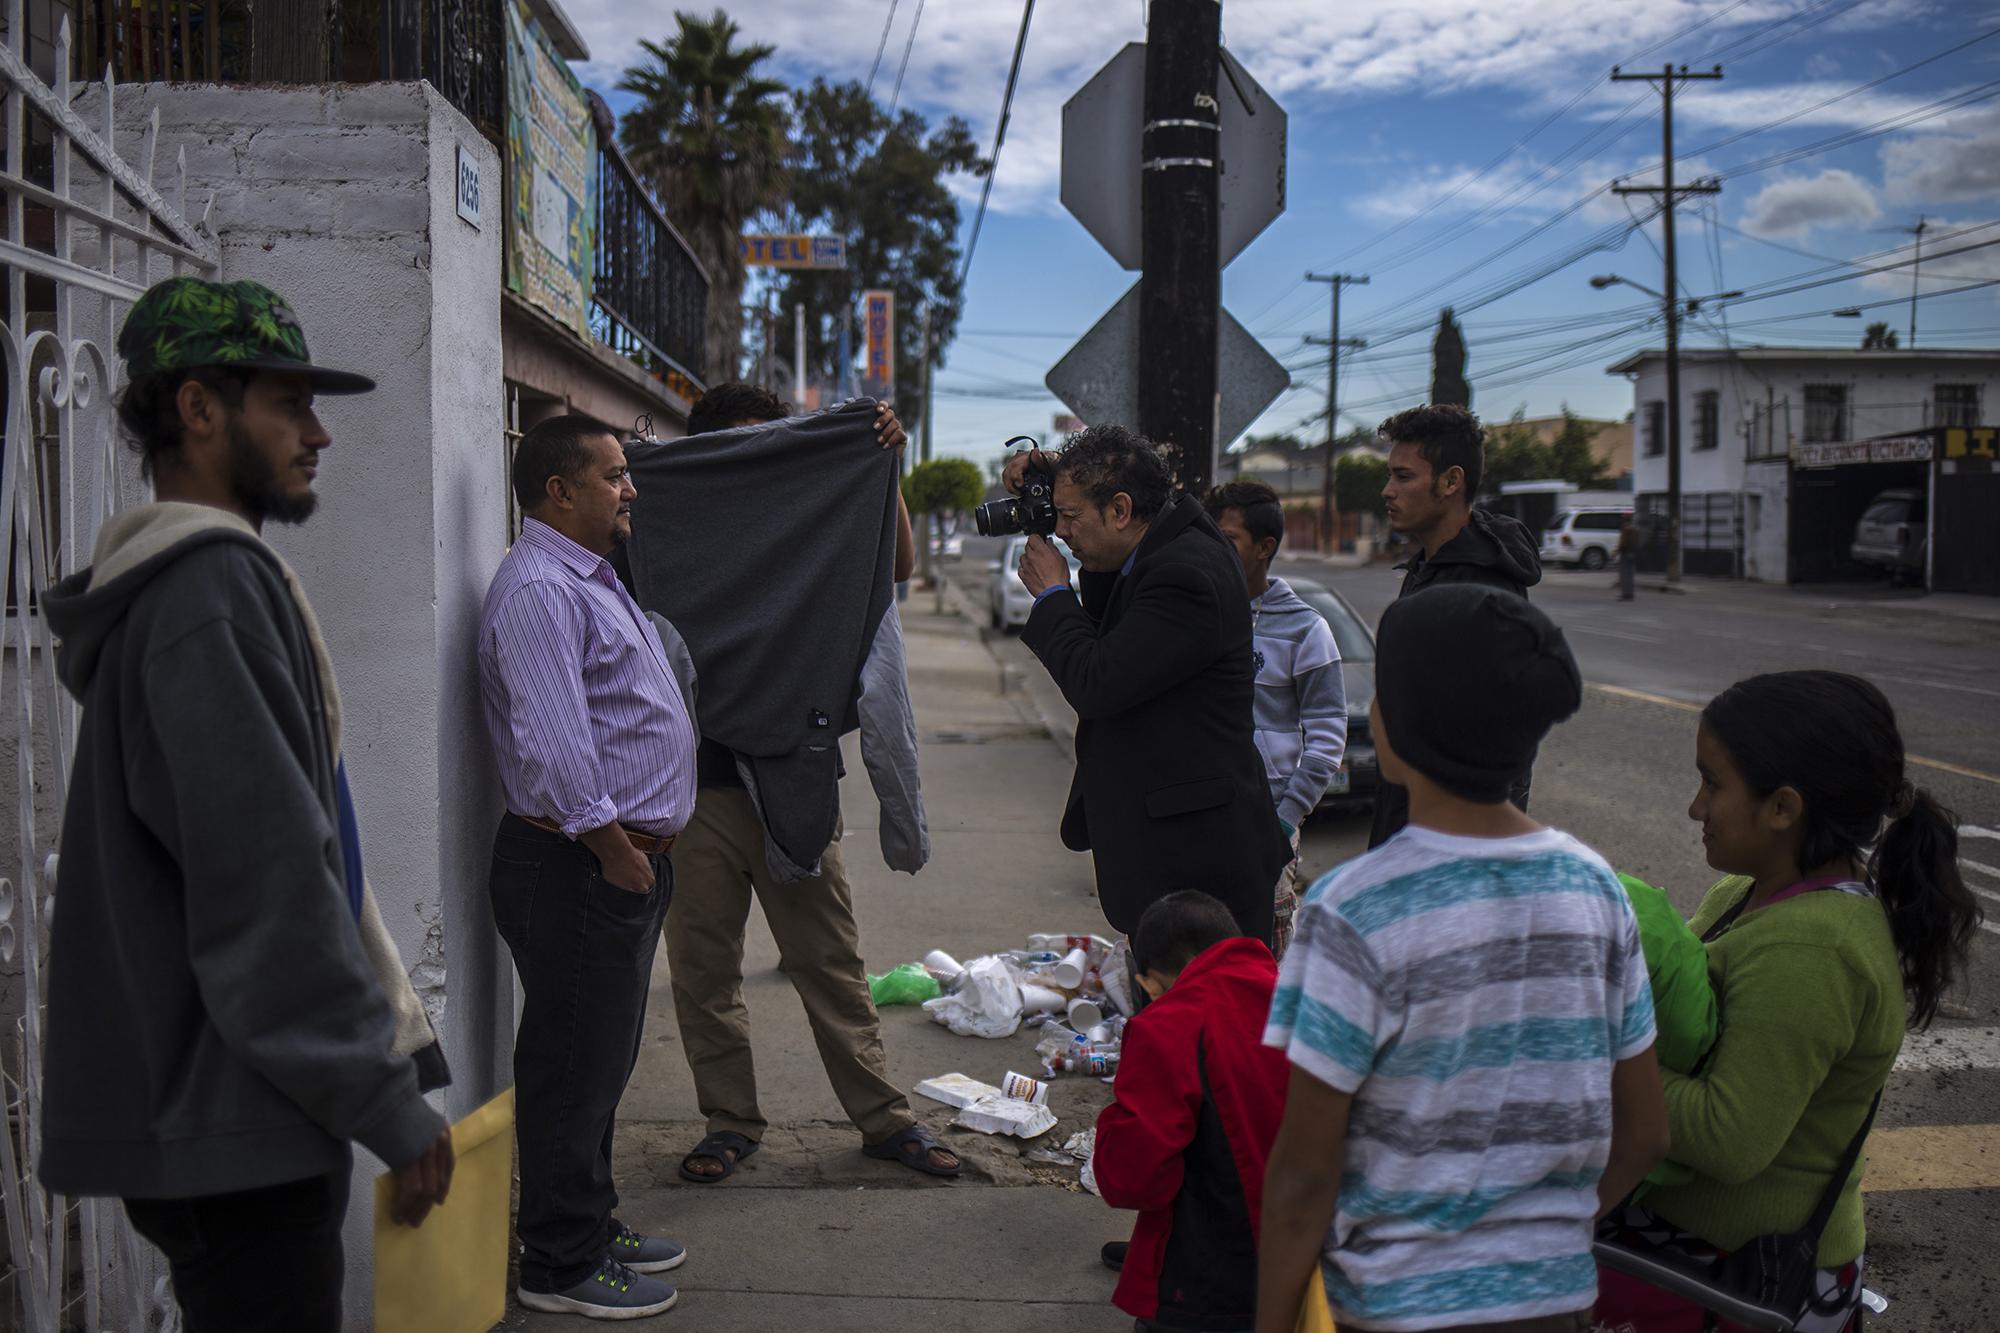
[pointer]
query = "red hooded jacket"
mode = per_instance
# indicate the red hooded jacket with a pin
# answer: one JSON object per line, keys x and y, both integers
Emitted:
{"x": 1197, "y": 1104}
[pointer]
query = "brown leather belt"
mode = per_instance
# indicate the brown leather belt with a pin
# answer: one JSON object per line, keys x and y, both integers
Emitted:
{"x": 648, "y": 843}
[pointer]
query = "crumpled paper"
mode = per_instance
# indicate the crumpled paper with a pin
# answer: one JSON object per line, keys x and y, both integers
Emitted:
{"x": 1006, "y": 1115}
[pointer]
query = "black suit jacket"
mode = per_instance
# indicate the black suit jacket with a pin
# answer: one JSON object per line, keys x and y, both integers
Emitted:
{"x": 1169, "y": 791}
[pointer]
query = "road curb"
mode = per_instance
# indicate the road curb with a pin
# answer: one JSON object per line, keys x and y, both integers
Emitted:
{"x": 1012, "y": 682}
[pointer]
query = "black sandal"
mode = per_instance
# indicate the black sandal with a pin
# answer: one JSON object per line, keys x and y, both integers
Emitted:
{"x": 724, "y": 1146}
{"x": 897, "y": 1148}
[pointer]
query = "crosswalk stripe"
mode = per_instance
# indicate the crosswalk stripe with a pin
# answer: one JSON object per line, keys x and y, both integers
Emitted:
{"x": 1933, "y": 1157}
{"x": 1950, "y": 1049}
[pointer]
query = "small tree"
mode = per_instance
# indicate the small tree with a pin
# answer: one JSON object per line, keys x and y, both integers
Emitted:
{"x": 1358, "y": 479}
{"x": 1879, "y": 338}
{"x": 941, "y": 486}
{"x": 1448, "y": 382}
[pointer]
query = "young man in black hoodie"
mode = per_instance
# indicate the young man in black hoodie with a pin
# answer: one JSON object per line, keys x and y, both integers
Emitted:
{"x": 1437, "y": 454}
{"x": 228, "y": 1012}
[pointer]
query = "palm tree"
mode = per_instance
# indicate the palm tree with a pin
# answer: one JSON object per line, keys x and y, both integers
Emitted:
{"x": 712, "y": 139}
{"x": 1879, "y": 338}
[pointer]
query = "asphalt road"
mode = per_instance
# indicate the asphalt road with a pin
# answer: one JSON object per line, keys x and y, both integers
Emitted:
{"x": 1620, "y": 776}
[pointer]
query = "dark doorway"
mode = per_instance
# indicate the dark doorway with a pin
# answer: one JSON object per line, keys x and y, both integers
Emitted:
{"x": 1826, "y": 505}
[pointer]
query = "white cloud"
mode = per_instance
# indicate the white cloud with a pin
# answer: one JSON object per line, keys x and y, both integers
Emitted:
{"x": 1531, "y": 50}
{"x": 1822, "y": 65}
{"x": 1961, "y": 163}
{"x": 1794, "y": 205}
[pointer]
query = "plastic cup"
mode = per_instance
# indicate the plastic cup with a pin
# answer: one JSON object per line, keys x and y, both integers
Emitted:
{"x": 1085, "y": 1014}
{"x": 1024, "y": 1089}
{"x": 944, "y": 967}
{"x": 1068, "y": 974}
{"x": 1041, "y": 1000}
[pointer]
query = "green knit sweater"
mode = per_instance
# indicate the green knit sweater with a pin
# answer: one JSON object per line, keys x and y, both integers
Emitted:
{"x": 1811, "y": 1000}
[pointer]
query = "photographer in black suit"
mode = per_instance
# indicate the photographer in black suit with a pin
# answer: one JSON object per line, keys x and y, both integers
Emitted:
{"x": 1153, "y": 652}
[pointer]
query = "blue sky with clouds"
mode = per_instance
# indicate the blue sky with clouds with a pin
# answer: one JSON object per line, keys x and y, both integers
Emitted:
{"x": 1457, "y": 151}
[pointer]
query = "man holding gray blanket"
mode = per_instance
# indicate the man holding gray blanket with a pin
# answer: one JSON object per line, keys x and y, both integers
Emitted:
{"x": 795, "y": 644}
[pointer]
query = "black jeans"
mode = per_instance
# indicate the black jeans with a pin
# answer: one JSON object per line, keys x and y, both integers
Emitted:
{"x": 254, "y": 1260}
{"x": 584, "y": 948}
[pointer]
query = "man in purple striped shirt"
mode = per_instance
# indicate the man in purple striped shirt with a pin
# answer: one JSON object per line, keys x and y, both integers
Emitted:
{"x": 596, "y": 754}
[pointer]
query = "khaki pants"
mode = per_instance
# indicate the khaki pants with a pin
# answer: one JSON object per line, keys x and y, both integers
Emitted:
{"x": 718, "y": 866}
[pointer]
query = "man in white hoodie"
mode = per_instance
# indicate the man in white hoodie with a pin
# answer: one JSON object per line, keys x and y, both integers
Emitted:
{"x": 1300, "y": 705}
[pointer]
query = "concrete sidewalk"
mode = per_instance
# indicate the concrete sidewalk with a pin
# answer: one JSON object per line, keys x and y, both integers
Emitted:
{"x": 809, "y": 1233}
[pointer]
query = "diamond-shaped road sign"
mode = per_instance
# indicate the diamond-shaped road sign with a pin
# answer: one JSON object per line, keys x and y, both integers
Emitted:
{"x": 1102, "y": 128}
{"x": 1099, "y": 377}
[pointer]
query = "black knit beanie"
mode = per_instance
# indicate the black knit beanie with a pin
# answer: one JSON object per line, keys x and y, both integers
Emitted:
{"x": 1469, "y": 679}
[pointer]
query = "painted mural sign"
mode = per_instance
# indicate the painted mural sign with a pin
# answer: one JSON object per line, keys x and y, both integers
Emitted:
{"x": 551, "y": 176}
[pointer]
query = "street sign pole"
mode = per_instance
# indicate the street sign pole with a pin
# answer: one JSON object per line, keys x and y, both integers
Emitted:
{"x": 1180, "y": 283}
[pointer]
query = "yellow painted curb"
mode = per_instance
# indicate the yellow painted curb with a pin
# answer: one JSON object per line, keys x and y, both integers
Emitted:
{"x": 1933, "y": 1157}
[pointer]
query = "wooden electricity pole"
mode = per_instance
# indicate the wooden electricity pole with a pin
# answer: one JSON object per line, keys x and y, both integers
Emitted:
{"x": 1333, "y": 345}
{"x": 1670, "y": 301}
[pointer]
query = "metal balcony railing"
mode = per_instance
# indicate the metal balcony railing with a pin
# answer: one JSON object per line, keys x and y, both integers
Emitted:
{"x": 459, "y": 45}
{"x": 649, "y": 294}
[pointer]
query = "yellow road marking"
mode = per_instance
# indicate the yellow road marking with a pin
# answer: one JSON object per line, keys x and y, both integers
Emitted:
{"x": 1933, "y": 1157}
{"x": 1619, "y": 691}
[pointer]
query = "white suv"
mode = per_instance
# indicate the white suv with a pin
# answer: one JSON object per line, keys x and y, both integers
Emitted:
{"x": 1583, "y": 537}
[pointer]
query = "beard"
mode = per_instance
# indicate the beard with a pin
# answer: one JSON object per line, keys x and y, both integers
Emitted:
{"x": 254, "y": 478}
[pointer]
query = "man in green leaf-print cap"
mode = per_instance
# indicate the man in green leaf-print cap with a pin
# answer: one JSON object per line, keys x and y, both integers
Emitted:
{"x": 231, "y": 1014}
{"x": 219, "y": 397}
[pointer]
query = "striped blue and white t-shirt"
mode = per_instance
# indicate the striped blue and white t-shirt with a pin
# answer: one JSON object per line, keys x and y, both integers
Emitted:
{"x": 1473, "y": 995}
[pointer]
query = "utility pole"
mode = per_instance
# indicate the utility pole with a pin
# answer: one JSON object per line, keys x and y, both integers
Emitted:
{"x": 1180, "y": 282}
{"x": 799, "y": 355}
{"x": 924, "y": 456}
{"x": 1916, "y": 271}
{"x": 1670, "y": 302}
{"x": 1334, "y": 343}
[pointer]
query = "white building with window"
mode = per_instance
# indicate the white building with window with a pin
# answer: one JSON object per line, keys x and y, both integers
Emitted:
{"x": 1758, "y": 499}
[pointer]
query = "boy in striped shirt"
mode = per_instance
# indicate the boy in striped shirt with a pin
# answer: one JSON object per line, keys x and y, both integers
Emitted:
{"x": 1467, "y": 1015}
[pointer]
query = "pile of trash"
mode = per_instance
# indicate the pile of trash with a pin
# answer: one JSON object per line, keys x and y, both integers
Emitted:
{"x": 1077, "y": 979}
{"x": 1073, "y": 988}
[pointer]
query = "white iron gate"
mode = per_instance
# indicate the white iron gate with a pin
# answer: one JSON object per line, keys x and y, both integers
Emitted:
{"x": 85, "y": 233}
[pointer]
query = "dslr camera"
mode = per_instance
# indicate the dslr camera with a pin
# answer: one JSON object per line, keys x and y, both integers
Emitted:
{"x": 1032, "y": 511}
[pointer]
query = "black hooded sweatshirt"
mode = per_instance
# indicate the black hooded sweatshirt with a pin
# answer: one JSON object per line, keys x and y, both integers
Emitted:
{"x": 1493, "y": 550}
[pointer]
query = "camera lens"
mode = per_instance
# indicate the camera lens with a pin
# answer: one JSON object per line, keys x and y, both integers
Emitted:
{"x": 997, "y": 518}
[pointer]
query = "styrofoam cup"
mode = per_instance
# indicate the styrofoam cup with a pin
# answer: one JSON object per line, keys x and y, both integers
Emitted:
{"x": 1068, "y": 974}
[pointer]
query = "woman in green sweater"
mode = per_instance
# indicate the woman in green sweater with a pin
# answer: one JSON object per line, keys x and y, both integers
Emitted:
{"x": 1820, "y": 952}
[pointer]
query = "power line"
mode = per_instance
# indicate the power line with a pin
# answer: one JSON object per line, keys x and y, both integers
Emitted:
{"x": 908, "y": 47}
{"x": 1888, "y": 125}
{"x": 999, "y": 138}
{"x": 1838, "y": 97}
{"x": 882, "y": 47}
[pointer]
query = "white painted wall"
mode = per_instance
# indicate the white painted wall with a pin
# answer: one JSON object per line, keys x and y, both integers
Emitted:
{"x": 1767, "y": 489}
{"x": 343, "y": 199}
{"x": 1886, "y": 393}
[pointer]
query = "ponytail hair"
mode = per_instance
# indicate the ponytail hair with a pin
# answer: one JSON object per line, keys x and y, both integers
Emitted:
{"x": 1833, "y": 738}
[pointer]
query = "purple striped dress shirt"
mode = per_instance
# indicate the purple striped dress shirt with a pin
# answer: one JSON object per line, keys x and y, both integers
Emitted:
{"x": 587, "y": 721}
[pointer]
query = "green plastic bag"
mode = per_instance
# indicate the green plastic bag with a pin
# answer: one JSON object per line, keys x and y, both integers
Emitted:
{"x": 908, "y": 984}
{"x": 1677, "y": 960}
{"x": 1683, "y": 997}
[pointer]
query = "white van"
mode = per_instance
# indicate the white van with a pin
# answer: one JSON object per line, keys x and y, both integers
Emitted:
{"x": 1584, "y": 538}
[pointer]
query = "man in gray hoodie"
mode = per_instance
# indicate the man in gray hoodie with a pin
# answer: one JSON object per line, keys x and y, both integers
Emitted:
{"x": 226, "y": 1013}
{"x": 1299, "y": 707}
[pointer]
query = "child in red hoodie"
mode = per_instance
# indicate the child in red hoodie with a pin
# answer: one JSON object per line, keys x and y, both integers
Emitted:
{"x": 1196, "y": 1106}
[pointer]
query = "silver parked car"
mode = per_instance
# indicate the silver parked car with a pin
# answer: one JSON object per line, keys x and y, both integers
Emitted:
{"x": 1008, "y": 602}
{"x": 1892, "y": 534}
{"x": 1358, "y": 778}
